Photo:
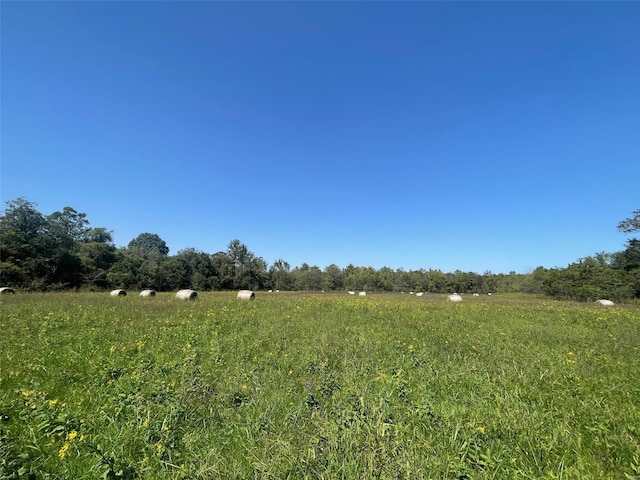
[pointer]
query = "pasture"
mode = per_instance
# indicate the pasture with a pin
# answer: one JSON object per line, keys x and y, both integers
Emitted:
{"x": 317, "y": 386}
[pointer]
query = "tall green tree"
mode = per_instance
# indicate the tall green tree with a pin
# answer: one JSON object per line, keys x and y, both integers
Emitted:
{"x": 280, "y": 275}
{"x": 200, "y": 268}
{"x": 97, "y": 255}
{"x": 333, "y": 278}
{"x": 147, "y": 244}
{"x": 250, "y": 271}
{"x": 23, "y": 245}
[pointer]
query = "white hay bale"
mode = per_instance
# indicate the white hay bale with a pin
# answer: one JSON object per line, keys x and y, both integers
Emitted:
{"x": 410, "y": 293}
{"x": 419, "y": 294}
{"x": 476, "y": 294}
{"x": 362, "y": 294}
{"x": 7, "y": 291}
{"x": 246, "y": 295}
{"x": 148, "y": 293}
{"x": 350, "y": 292}
{"x": 605, "y": 303}
{"x": 118, "y": 293}
{"x": 489, "y": 293}
{"x": 277, "y": 291}
{"x": 187, "y": 294}
{"x": 454, "y": 298}
{"x": 270, "y": 291}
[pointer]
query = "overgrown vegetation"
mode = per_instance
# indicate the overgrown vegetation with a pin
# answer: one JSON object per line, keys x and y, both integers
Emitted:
{"x": 61, "y": 252}
{"x": 317, "y": 386}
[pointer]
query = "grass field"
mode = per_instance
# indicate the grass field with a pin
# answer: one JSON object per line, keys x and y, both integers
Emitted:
{"x": 317, "y": 386}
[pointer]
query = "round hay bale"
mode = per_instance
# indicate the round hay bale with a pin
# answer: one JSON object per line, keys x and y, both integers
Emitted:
{"x": 362, "y": 294}
{"x": 7, "y": 291}
{"x": 187, "y": 294}
{"x": 246, "y": 295}
{"x": 455, "y": 298}
{"x": 148, "y": 293}
{"x": 605, "y": 303}
{"x": 118, "y": 293}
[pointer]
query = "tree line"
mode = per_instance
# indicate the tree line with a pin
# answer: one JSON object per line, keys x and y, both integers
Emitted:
{"x": 63, "y": 251}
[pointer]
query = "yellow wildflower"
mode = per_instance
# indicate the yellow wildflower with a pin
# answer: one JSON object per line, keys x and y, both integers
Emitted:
{"x": 53, "y": 402}
{"x": 480, "y": 429}
{"x": 63, "y": 450}
{"x": 290, "y": 372}
{"x": 72, "y": 434}
{"x": 82, "y": 438}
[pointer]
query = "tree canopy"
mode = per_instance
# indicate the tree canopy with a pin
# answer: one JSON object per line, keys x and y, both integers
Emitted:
{"x": 62, "y": 251}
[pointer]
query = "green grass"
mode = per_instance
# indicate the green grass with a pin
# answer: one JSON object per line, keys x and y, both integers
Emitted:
{"x": 317, "y": 386}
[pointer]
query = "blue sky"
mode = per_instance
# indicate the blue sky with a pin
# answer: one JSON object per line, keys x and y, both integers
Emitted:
{"x": 476, "y": 136}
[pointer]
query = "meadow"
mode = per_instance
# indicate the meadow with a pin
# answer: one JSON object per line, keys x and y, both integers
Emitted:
{"x": 317, "y": 386}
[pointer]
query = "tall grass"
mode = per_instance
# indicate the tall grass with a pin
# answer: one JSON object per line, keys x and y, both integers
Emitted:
{"x": 317, "y": 386}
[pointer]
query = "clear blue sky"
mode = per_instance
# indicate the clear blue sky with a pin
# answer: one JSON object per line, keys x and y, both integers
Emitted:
{"x": 468, "y": 135}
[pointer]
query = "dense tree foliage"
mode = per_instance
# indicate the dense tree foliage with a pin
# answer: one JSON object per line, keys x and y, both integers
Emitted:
{"x": 62, "y": 251}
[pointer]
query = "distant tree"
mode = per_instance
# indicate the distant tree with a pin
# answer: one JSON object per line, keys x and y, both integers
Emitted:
{"x": 629, "y": 258}
{"x": 199, "y": 267}
{"x": 23, "y": 245}
{"x": 146, "y": 244}
{"x": 223, "y": 271}
{"x": 68, "y": 228}
{"x": 280, "y": 275}
{"x": 97, "y": 255}
{"x": 333, "y": 278}
{"x": 250, "y": 271}
{"x": 173, "y": 274}
{"x": 124, "y": 273}
{"x": 631, "y": 224}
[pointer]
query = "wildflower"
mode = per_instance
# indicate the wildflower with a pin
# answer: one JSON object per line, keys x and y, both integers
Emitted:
{"x": 159, "y": 447}
{"x": 244, "y": 387}
{"x": 112, "y": 349}
{"x": 53, "y": 402}
{"x": 72, "y": 434}
{"x": 480, "y": 429}
{"x": 290, "y": 372}
{"x": 411, "y": 348}
{"x": 82, "y": 438}
{"x": 28, "y": 393}
{"x": 63, "y": 450}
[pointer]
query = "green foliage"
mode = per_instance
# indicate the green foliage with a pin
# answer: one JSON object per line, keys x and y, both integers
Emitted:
{"x": 631, "y": 224}
{"x": 317, "y": 386}
{"x": 61, "y": 251}
{"x": 147, "y": 244}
